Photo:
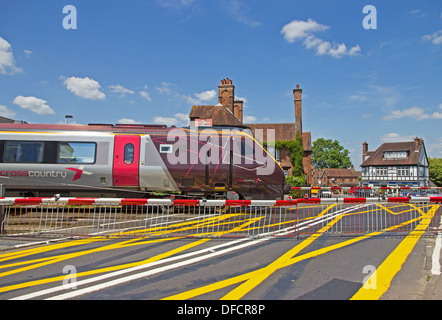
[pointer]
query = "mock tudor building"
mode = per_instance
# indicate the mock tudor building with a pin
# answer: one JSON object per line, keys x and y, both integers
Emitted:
{"x": 396, "y": 164}
{"x": 229, "y": 111}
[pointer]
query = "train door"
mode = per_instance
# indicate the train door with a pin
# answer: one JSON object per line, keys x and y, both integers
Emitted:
{"x": 126, "y": 160}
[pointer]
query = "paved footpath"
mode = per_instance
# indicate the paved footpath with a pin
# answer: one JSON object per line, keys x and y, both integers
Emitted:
{"x": 416, "y": 280}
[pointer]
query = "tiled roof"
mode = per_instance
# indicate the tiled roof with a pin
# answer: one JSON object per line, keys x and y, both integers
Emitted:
{"x": 220, "y": 115}
{"x": 341, "y": 173}
{"x": 283, "y": 131}
{"x": 377, "y": 157}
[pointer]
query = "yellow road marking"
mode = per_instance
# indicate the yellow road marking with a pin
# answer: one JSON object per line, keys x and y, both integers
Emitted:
{"x": 107, "y": 269}
{"x": 56, "y": 259}
{"x": 391, "y": 266}
{"x": 265, "y": 272}
{"x": 244, "y": 277}
{"x": 31, "y": 251}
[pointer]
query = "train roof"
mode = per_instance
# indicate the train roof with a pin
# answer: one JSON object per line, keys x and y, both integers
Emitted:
{"x": 104, "y": 127}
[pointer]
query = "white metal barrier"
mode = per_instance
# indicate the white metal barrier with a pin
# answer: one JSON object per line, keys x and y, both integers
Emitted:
{"x": 365, "y": 192}
{"x": 122, "y": 217}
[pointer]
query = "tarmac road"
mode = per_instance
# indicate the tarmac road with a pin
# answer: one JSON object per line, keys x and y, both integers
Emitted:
{"x": 319, "y": 266}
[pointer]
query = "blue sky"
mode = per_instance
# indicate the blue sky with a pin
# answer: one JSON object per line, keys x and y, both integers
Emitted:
{"x": 150, "y": 61}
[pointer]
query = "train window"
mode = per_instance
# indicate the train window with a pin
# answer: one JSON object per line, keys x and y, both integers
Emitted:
{"x": 166, "y": 148}
{"x": 76, "y": 152}
{"x": 129, "y": 150}
{"x": 23, "y": 151}
{"x": 244, "y": 146}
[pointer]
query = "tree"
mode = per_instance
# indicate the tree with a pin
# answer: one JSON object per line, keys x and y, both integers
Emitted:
{"x": 329, "y": 154}
{"x": 435, "y": 170}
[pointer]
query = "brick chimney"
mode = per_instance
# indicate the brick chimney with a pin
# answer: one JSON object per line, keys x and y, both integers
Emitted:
{"x": 237, "y": 109}
{"x": 364, "y": 151}
{"x": 226, "y": 93}
{"x": 416, "y": 144}
{"x": 298, "y": 110}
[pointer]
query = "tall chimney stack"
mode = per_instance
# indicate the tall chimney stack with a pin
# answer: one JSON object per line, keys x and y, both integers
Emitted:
{"x": 416, "y": 144}
{"x": 364, "y": 151}
{"x": 226, "y": 93}
{"x": 298, "y": 110}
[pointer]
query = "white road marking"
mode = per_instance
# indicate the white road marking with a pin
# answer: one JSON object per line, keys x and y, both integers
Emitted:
{"x": 435, "y": 268}
{"x": 209, "y": 252}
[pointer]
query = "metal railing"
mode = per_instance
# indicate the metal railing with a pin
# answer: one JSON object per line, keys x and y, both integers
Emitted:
{"x": 85, "y": 217}
{"x": 365, "y": 192}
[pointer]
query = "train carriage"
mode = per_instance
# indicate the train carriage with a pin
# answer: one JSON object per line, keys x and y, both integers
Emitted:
{"x": 102, "y": 160}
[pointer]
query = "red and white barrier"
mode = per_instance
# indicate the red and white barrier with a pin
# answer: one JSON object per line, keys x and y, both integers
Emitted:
{"x": 366, "y": 188}
{"x": 204, "y": 202}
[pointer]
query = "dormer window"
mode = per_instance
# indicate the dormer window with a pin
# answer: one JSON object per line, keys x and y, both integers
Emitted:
{"x": 393, "y": 155}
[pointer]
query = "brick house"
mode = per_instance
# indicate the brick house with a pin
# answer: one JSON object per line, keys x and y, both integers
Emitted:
{"x": 330, "y": 177}
{"x": 229, "y": 111}
{"x": 396, "y": 164}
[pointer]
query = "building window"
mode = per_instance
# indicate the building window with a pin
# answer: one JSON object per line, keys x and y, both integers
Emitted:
{"x": 395, "y": 155}
{"x": 278, "y": 155}
{"x": 381, "y": 171}
{"x": 404, "y": 171}
{"x": 365, "y": 171}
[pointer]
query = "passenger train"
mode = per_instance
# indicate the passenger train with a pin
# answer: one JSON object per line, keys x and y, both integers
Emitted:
{"x": 105, "y": 160}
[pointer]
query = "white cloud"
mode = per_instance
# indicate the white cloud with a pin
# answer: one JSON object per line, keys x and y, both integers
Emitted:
{"x": 84, "y": 87}
{"x": 179, "y": 119}
{"x": 396, "y": 137}
{"x": 201, "y": 98}
{"x": 6, "y": 112}
{"x": 434, "y": 147}
{"x": 435, "y": 38}
{"x": 145, "y": 95}
{"x": 416, "y": 113}
{"x": 358, "y": 97}
{"x": 128, "y": 121}
{"x": 387, "y": 97}
{"x": 418, "y": 13}
{"x": 34, "y": 104}
{"x": 165, "y": 88}
{"x": 298, "y": 30}
{"x": 206, "y": 95}
{"x": 175, "y": 4}
{"x": 7, "y": 61}
{"x": 238, "y": 10}
{"x": 243, "y": 99}
{"x": 249, "y": 119}
{"x": 120, "y": 89}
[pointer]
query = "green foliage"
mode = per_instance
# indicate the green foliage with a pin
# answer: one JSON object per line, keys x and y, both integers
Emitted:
{"x": 329, "y": 154}
{"x": 435, "y": 170}
{"x": 296, "y": 152}
{"x": 295, "y": 182}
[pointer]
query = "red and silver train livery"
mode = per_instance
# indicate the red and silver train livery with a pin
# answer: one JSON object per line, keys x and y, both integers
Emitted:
{"x": 102, "y": 160}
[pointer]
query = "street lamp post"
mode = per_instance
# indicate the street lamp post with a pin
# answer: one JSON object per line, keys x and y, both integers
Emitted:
{"x": 66, "y": 117}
